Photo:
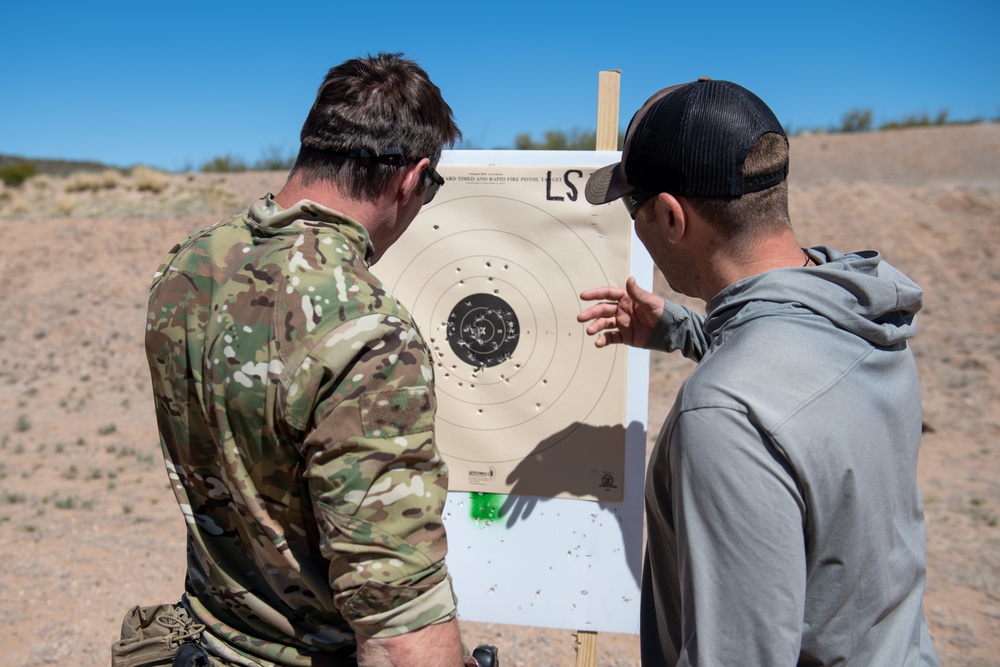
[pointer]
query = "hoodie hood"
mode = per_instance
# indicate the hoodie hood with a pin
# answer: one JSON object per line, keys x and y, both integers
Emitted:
{"x": 858, "y": 292}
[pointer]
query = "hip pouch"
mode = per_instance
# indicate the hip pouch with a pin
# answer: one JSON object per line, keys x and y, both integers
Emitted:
{"x": 152, "y": 636}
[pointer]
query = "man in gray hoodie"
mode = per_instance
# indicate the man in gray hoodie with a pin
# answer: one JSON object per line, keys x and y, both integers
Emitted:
{"x": 784, "y": 522}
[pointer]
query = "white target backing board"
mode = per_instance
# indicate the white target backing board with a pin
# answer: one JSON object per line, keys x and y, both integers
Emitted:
{"x": 544, "y": 434}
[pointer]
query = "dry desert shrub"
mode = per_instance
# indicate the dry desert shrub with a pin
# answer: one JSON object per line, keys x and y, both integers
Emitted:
{"x": 41, "y": 182}
{"x": 80, "y": 182}
{"x": 66, "y": 204}
{"x": 111, "y": 179}
{"x": 83, "y": 181}
{"x": 150, "y": 180}
{"x": 16, "y": 205}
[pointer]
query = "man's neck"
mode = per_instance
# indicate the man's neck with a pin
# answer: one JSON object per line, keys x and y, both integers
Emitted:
{"x": 726, "y": 266}
{"x": 321, "y": 192}
{"x": 372, "y": 215}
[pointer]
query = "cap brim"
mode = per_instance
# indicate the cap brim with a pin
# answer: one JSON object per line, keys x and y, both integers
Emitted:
{"x": 607, "y": 184}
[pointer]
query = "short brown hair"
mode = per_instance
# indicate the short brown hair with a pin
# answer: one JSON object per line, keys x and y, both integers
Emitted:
{"x": 370, "y": 107}
{"x": 741, "y": 219}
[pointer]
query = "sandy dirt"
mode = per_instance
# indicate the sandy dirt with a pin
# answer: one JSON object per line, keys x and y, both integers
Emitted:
{"x": 89, "y": 527}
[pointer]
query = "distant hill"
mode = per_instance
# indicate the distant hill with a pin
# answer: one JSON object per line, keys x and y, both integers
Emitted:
{"x": 53, "y": 167}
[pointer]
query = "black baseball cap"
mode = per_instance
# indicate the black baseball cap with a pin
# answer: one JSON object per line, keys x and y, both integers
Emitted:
{"x": 691, "y": 140}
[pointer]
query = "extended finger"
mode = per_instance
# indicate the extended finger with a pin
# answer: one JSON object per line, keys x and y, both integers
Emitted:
{"x": 596, "y": 311}
{"x": 602, "y": 324}
{"x": 599, "y": 293}
{"x": 613, "y": 337}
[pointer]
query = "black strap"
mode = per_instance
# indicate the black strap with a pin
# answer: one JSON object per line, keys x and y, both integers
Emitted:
{"x": 190, "y": 654}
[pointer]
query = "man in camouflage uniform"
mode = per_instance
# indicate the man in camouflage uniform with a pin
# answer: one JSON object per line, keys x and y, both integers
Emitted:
{"x": 295, "y": 402}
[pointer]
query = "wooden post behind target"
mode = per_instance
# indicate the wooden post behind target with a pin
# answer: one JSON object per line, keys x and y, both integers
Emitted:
{"x": 608, "y": 90}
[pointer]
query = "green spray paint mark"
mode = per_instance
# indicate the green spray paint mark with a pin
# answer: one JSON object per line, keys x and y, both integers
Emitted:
{"x": 485, "y": 506}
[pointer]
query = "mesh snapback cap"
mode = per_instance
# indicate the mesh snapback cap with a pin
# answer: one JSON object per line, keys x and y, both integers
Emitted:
{"x": 690, "y": 140}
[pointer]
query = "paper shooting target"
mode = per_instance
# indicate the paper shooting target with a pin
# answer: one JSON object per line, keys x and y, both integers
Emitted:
{"x": 492, "y": 276}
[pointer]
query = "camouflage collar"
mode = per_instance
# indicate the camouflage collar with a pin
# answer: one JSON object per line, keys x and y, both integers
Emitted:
{"x": 269, "y": 219}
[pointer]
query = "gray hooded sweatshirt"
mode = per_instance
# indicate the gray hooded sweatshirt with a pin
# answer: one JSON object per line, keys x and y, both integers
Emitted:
{"x": 785, "y": 526}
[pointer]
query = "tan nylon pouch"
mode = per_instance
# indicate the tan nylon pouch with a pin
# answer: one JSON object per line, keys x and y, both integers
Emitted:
{"x": 150, "y": 635}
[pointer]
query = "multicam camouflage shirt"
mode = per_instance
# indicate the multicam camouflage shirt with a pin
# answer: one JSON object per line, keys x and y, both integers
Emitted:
{"x": 294, "y": 398}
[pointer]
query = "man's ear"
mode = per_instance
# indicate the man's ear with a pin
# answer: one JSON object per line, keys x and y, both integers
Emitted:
{"x": 409, "y": 184}
{"x": 671, "y": 216}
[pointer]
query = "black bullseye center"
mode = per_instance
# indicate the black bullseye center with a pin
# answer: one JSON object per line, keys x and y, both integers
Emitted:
{"x": 483, "y": 330}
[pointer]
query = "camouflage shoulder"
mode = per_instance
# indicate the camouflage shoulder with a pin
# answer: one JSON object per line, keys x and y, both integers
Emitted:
{"x": 179, "y": 248}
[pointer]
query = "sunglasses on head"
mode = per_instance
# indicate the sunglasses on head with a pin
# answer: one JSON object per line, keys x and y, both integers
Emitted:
{"x": 634, "y": 200}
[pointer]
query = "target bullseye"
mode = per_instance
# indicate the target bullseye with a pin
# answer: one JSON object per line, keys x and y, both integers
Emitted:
{"x": 482, "y": 330}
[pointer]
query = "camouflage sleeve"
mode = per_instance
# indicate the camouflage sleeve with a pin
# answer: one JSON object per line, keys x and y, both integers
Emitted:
{"x": 364, "y": 399}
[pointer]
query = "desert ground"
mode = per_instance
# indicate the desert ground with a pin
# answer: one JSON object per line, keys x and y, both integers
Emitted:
{"x": 89, "y": 527}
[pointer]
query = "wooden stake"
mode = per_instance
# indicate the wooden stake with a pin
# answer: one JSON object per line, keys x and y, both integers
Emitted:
{"x": 608, "y": 88}
{"x": 586, "y": 648}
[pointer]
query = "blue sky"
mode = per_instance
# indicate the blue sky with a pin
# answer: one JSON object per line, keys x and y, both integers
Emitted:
{"x": 174, "y": 84}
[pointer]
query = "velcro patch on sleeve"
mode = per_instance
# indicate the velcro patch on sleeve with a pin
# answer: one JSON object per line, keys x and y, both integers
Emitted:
{"x": 389, "y": 414}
